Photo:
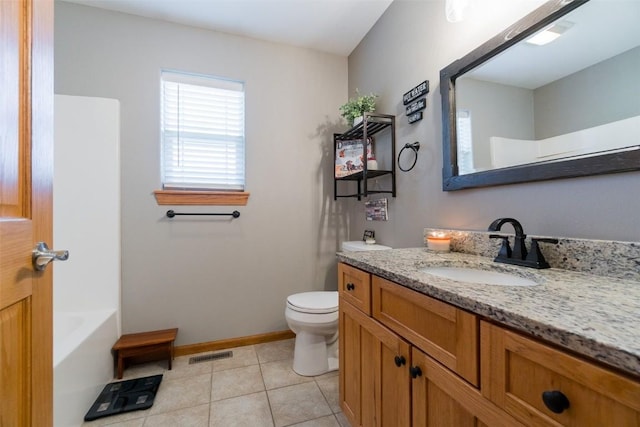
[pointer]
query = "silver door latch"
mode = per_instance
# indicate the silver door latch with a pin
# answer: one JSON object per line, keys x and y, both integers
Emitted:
{"x": 42, "y": 256}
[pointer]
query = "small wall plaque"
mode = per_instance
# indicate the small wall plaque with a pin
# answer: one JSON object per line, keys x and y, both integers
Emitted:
{"x": 416, "y": 92}
{"x": 420, "y": 104}
{"x": 415, "y": 117}
{"x": 376, "y": 210}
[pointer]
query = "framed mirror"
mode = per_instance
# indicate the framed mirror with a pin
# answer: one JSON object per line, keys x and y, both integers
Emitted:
{"x": 517, "y": 109}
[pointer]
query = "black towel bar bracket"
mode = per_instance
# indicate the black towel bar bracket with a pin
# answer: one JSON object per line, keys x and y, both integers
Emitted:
{"x": 171, "y": 214}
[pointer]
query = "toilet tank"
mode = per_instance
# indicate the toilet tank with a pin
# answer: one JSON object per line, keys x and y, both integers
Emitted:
{"x": 359, "y": 246}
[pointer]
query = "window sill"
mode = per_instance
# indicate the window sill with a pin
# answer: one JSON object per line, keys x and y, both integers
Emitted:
{"x": 211, "y": 198}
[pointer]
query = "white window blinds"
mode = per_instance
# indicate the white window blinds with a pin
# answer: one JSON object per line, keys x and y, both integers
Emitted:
{"x": 202, "y": 131}
{"x": 464, "y": 139}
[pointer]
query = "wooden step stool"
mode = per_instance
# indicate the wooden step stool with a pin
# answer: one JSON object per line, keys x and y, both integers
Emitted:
{"x": 144, "y": 344}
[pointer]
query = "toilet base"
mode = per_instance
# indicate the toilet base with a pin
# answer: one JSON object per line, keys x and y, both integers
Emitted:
{"x": 313, "y": 355}
{"x": 333, "y": 364}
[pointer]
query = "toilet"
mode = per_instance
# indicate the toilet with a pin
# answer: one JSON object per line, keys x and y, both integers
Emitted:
{"x": 313, "y": 317}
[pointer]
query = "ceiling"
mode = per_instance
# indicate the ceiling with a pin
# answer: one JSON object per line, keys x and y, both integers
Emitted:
{"x": 333, "y": 26}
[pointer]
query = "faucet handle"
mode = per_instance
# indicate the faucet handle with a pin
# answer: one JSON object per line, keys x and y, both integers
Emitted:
{"x": 535, "y": 254}
{"x": 505, "y": 249}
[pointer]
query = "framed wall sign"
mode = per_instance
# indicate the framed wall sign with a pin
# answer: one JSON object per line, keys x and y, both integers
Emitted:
{"x": 420, "y": 104}
{"x": 416, "y": 92}
{"x": 415, "y": 117}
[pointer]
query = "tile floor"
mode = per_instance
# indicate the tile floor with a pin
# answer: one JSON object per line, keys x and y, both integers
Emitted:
{"x": 256, "y": 387}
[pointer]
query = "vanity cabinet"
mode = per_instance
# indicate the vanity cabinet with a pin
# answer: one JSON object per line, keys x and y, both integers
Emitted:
{"x": 400, "y": 367}
{"x": 407, "y": 359}
{"x": 517, "y": 371}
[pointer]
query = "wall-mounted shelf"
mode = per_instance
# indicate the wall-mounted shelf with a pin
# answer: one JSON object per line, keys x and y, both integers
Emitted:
{"x": 371, "y": 125}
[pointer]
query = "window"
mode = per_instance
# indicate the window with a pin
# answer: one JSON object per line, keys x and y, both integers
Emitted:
{"x": 465, "y": 147}
{"x": 202, "y": 132}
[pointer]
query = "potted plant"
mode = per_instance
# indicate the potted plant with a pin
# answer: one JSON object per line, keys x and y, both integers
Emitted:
{"x": 356, "y": 107}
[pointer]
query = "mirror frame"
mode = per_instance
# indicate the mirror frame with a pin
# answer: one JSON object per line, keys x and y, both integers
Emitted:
{"x": 595, "y": 165}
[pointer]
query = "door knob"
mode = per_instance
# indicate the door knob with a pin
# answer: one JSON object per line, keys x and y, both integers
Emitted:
{"x": 399, "y": 360}
{"x": 42, "y": 256}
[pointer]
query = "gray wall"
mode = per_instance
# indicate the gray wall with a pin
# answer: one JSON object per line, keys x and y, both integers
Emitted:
{"x": 214, "y": 279}
{"x": 410, "y": 43}
{"x": 574, "y": 102}
{"x": 496, "y": 110}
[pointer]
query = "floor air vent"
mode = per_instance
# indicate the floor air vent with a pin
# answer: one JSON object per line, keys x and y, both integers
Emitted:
{"x": 212, "y": 356}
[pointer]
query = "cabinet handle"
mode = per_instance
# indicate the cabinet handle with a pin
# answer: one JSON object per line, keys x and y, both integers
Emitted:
{"x": 555, "y": 401}
{"x": 350, "y": 286}
{"x": 415, "y": 371}
{"x": 400, "y": 360}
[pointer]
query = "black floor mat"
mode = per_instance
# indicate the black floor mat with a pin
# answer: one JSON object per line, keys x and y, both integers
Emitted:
{"x": 125, "y": 396}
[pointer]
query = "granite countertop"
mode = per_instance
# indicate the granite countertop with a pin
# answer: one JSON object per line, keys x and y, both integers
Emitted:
{"x": 595, "y": 316}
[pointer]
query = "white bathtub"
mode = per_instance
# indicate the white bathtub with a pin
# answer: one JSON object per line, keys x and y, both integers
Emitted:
{"x": 82, "y": 361}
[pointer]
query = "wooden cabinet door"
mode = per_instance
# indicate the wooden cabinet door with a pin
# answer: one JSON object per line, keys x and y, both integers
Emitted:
{"x": 26, "y": 161}
{"x": 354, "y": 286}
{"x": 441, "y": 398}
{"x": 517, "y": 370}
{"x": 374, "y": 385}
{"x": 446, "y": 333}
{"x": 350, "y": 354}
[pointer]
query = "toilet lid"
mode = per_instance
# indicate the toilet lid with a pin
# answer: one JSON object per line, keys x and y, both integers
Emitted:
{"x": 314, "y": 302}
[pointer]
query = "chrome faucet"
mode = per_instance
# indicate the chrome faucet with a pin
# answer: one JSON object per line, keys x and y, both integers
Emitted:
{"x": 519, "y": 255}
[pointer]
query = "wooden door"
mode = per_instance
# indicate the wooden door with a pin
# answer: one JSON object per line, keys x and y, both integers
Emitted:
{"x": 441, "y": 398}
{"x": 350, "y": 366}
{"x": 26, "y": 161}
{"x": 374, "y": 389}
{"x": 386, "y": 394}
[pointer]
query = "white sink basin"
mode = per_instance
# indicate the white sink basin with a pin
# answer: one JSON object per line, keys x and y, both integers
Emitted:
{"x": 484, "y": 277}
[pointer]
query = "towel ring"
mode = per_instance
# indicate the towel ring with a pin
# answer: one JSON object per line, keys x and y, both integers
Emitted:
{"x": 414, "y": 147}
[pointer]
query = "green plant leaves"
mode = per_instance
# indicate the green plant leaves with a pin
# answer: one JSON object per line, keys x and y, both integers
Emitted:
{"x": 357, "y": 106}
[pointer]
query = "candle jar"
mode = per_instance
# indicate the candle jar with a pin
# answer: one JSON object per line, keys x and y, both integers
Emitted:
{"x": 438, "y": 242}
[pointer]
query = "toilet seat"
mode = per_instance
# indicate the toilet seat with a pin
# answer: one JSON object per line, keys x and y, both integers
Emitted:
{"x": 314, "y": 302}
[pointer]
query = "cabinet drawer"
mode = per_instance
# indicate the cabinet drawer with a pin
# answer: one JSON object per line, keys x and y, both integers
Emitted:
{"x": 355, "y": 287}
{"x": 444, "y": 332}
{"x": 517, "y": 370}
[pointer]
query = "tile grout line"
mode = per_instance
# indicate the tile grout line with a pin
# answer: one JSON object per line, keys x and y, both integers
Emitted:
{"x": 266, "y": 392}
{"x": 210, "y": 395}
{"x": 325, "y": 396}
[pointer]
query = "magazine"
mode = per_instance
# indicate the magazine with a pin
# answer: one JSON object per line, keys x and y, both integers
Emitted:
{"x": 349, "y": 155}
